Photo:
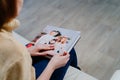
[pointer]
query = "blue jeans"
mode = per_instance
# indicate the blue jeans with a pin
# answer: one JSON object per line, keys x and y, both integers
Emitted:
{"x": 40, "y": 63}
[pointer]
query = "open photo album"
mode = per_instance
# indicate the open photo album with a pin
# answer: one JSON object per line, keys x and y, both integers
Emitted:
{"x": 63, "y": 39}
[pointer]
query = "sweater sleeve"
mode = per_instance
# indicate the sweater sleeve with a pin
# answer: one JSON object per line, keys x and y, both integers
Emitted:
{"x": 15, "y": 62}
{"x": 18, "y": 72}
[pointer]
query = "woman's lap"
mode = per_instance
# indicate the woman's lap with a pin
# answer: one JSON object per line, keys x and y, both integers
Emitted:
{"x": 40, "y": 63}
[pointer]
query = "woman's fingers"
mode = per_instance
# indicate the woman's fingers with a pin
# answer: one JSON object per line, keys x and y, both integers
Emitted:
{"x": 43, "y": 47}
{"x": 59, "y": 60}
{"x": 46, "y": 53}
{"x": 66, "y": 56}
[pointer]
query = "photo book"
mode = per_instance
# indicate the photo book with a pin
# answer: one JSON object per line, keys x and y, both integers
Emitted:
{"x": 62, "y": 39}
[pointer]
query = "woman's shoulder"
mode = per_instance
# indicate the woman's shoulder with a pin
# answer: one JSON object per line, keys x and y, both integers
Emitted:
{"x": 8, "y": 52}
{"x": 6, "y": 43}
{"x": 8, "y": 49}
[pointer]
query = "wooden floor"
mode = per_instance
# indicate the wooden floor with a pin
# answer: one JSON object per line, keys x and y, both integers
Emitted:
{"x": 98, "y": 20}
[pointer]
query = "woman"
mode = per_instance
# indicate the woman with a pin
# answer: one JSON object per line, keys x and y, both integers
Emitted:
{"x": 15, "y": 59}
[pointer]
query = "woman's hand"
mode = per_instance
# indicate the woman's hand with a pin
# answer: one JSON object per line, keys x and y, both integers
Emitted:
{"x": 59, "y": 60}
{"x": 41, "y": 50}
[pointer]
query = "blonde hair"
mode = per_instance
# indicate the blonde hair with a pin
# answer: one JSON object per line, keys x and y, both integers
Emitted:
{"x": 8, "y": 11}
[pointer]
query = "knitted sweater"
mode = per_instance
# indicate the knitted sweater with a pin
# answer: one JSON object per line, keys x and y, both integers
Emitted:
{"x": 15, "y": 60}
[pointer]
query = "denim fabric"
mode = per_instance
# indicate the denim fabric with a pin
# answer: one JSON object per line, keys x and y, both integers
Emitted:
{"x": 40, "y": 63}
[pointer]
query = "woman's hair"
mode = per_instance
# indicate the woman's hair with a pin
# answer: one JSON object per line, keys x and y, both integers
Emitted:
{"x": 8, "y": 11}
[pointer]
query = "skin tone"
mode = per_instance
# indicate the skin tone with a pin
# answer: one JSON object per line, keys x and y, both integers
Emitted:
{"x": 53, "y": 33}
{"x": 57, "y": 61}
{"x": 19, "y": 6}
{"x": 41, "y": 50}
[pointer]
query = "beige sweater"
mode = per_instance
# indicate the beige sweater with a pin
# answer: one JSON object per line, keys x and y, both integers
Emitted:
{"x": 15, "y": 60}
